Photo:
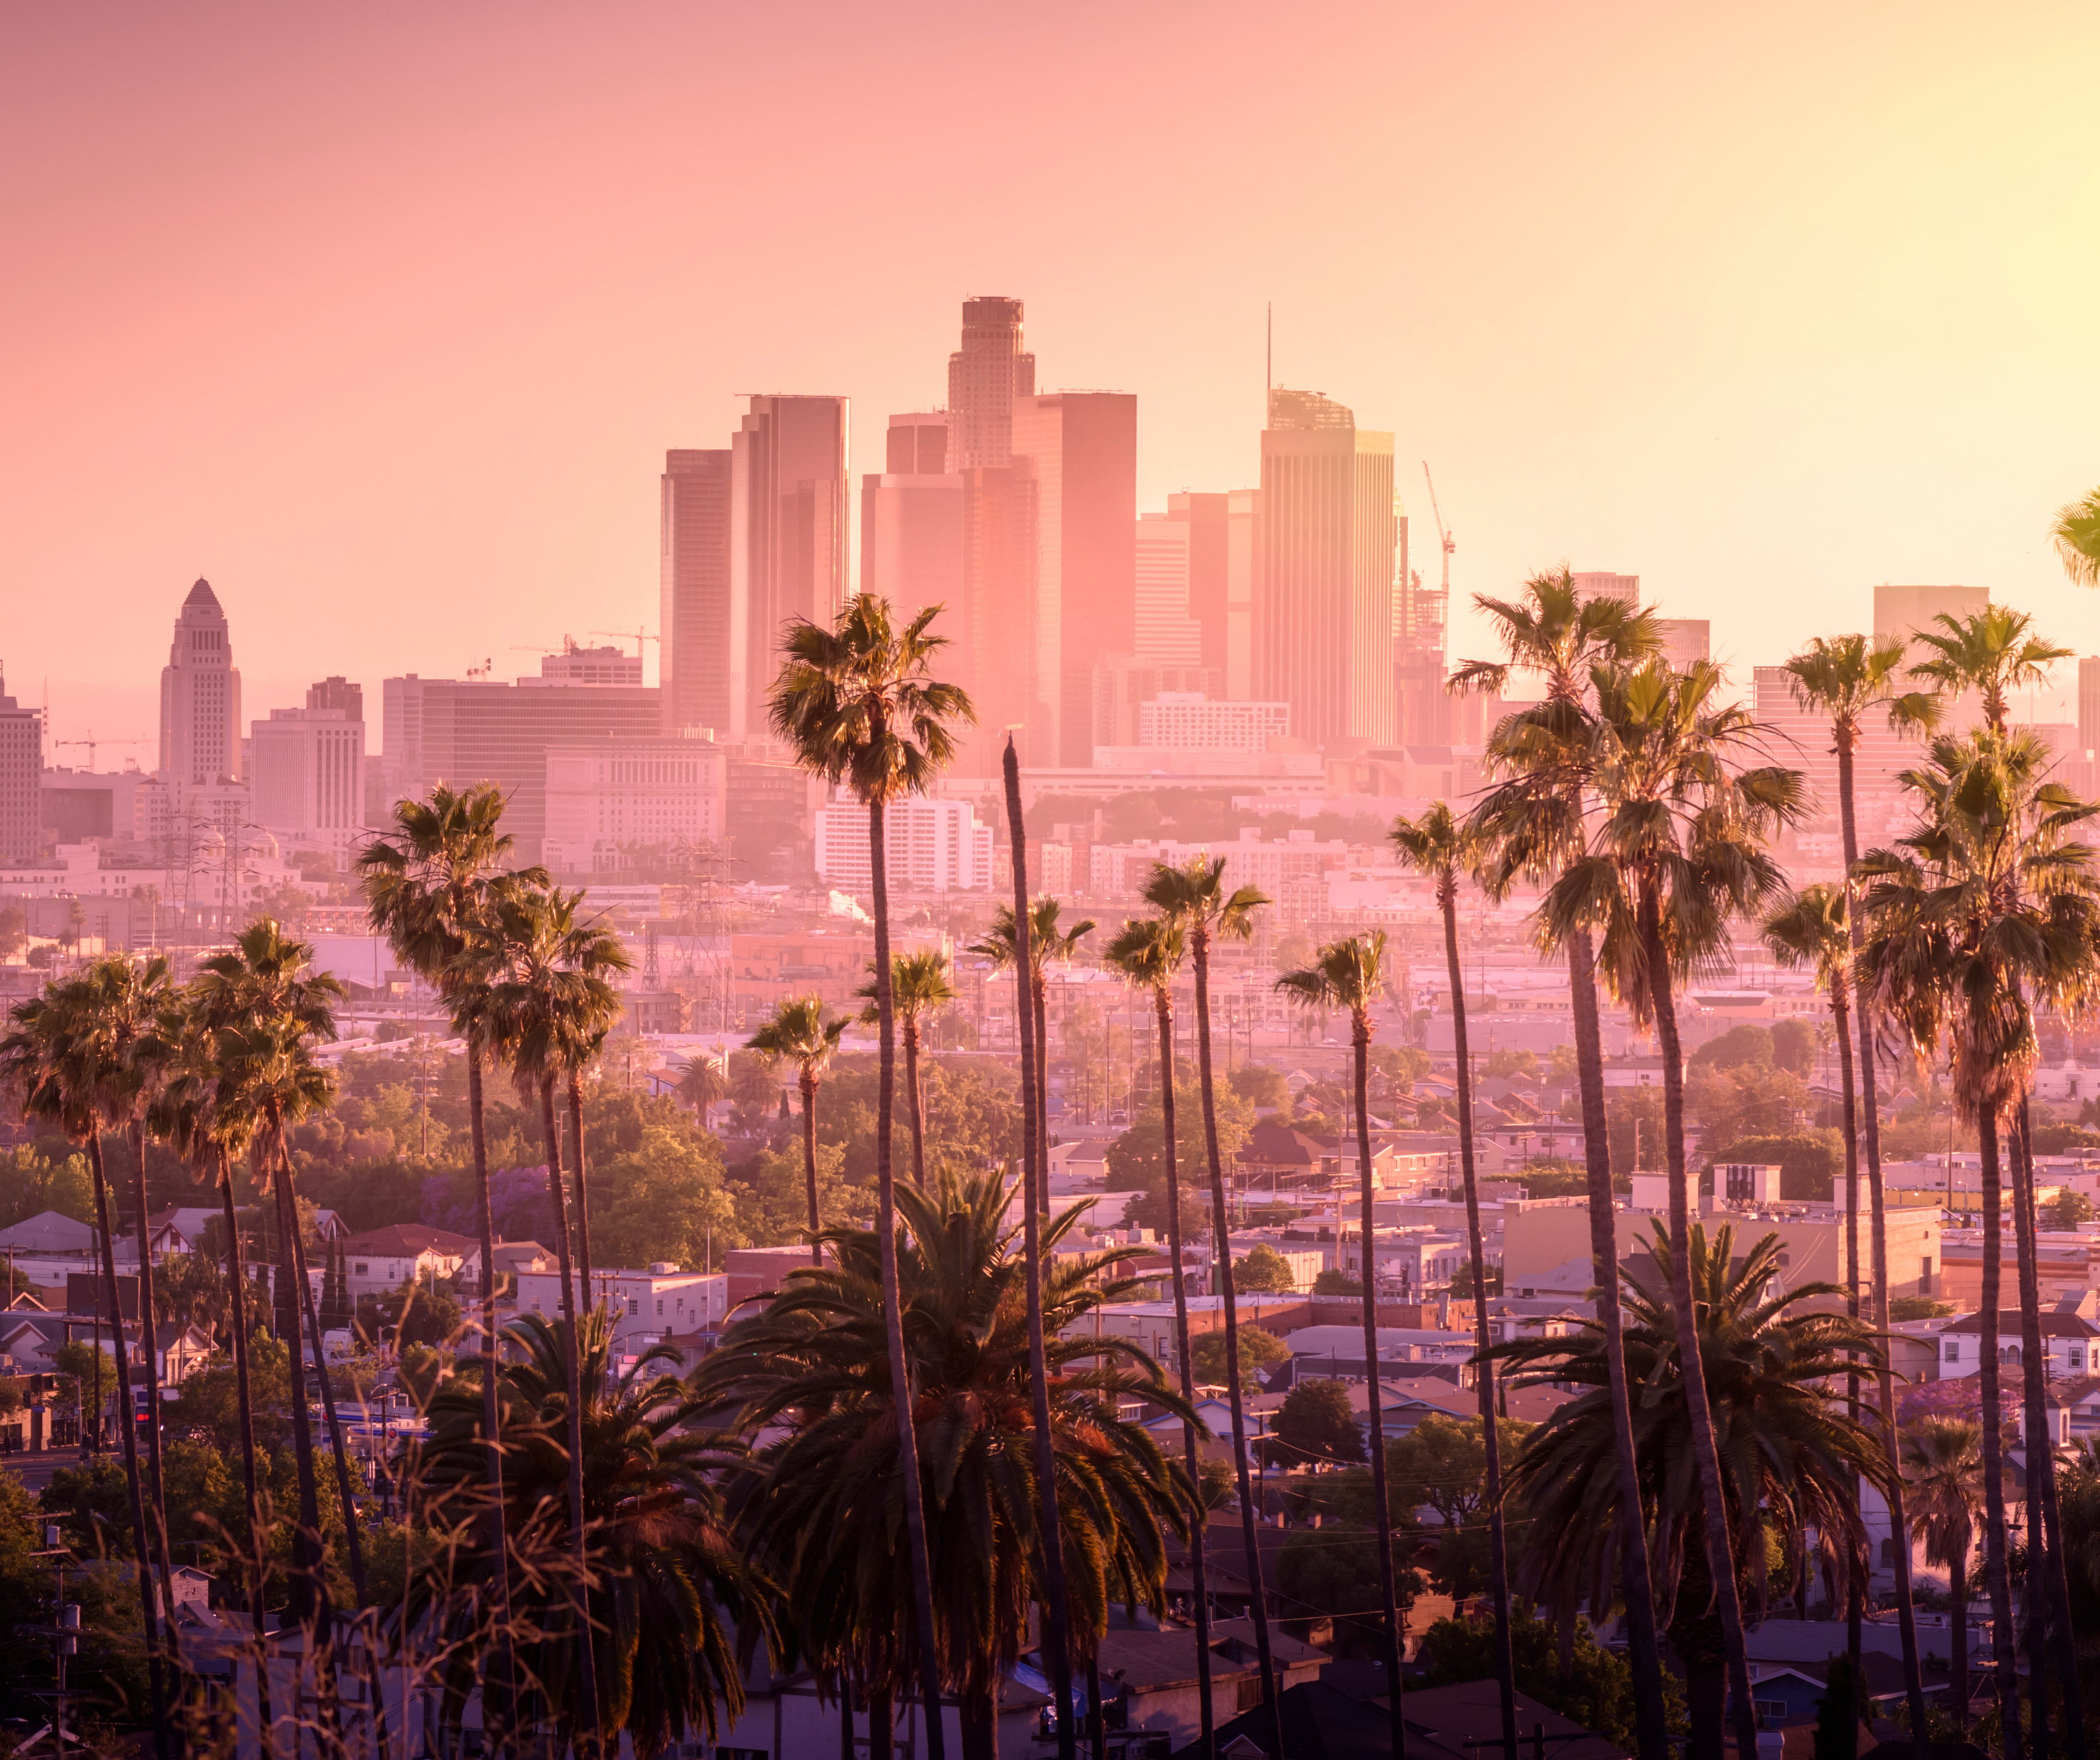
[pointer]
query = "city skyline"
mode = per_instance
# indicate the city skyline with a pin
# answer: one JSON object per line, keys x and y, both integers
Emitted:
{"x": 479, "y": 335}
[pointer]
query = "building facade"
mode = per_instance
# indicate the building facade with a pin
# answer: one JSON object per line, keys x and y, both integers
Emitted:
{"x": 930, "y": 846}
{"x": 611, "y": 803}
{"x": 200, "y": 696}
{"x": 986, "y": 376}
{"x": 696, "y": 609}
{"x": 1192, "y": 721}
{"x": 306, "y": 777}
{"x": 21, "y": 780}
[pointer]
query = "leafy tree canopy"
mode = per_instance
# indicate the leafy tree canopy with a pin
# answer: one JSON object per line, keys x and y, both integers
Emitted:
{"x": 1316, "y": 1423}
{"x": 1597, "y": 1693}
{"x": 1259, "y": 1348}
{"x": 1263, "y": 1271}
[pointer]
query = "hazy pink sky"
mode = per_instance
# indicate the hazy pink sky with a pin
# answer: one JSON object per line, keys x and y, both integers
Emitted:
{"x": 381, "y": 317}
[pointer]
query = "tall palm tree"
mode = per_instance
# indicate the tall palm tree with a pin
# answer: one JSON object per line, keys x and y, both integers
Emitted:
{"x": 2075, "y": 533}
{"x": 1854, "y": 680}
{"x": 1046, "y": 945}
{"x": 1148, "y": 951}
{"x": 1534, "y": 819}
{"x": 801, "y": 1032}
{"x": 670, "y": 1579}
{"x": 545, "y": 988}
{"x": 919, "y": 986}
{"x": 1678, "y": 852}
{"x": 1813, "y": 928}
{"x": 1440, "y": 845}
{"x": 1987, "y": 910}
{"x": 704, "y": 1080}
{"x": 1992, "y": 652}
{"x": 52, "y": 1060}
{"x": 1349, "y": 975}
{"x": 430, "y": 884}
{"x": 858, "y": 704}
{"x": 595, "y": 951}
{"x": 1942, "y": 1467}
{"x": 1768, "y": 1366}
{"x": 1195, "y": 899}
{"x": 808, "y": 1374}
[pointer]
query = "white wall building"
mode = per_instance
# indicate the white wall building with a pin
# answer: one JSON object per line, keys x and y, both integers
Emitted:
{"x": 646, "y": 1304}
{"x": 931, "y": 845}
{"x": 1191, "y": 721}
{"x": 608, "y": 798}
{"x": 1165, "y": 632}
{"x": 306, "y": 777}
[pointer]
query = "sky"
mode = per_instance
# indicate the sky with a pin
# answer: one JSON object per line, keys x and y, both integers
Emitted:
{"x": 383, "y": 317}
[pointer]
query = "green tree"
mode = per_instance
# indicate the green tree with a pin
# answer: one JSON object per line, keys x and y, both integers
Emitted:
{"x": 1793, "y": 1046}
{"x": 1333, "y": 1283}
{"x": 919, "y": 987}
{"x": 1584, "y": 1682}
{"x": 1942, "y": 1467}
{"x": 1047, "y": 945}
{"x": 1334, "y": 1571}
{"x": 1264, "y": 1089}
{"x": 2069, "y": 1208}
{"x": 1259, "y": 1348}
{"x": 1137, "y": 1160}
{"x": 803, "y": 1032}
{"x": 1317, "y": 1423}
{"x": 1744, "y": 1045}
{"x": 1264, "y": 1270}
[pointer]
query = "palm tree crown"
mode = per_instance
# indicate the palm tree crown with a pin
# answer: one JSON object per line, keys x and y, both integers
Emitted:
{"x": 2076, "y": 534}
{"x": 1992, "y": 651}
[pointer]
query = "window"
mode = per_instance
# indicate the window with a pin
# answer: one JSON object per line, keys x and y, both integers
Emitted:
{"x": 361, "y": 1269}
{"x": 1950, "y": 1351}
{"x": 1888, "y": 1551}
{"x": 1770, "y": 1710}
{"x": 2077, "y": 1356}
{"x": 633, "y": 1305}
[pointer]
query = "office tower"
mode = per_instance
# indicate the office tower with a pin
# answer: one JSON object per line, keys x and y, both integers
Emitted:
{"x": 1122, "y": 687}
{"x": 614, "y": 802}
{"x": 916, "y": 444}
{"x": 788, "y": 538}
{"x": 1165, "y": 633}
{"x": 574, "y": 664}
{"x": 1905, "y": 610}
{"x": 306, "y": 777}
{"x": 987, "y": 377}
{"x": 931, "y": 846}
{"x": 1323, "y": 613}
{"x": 460, "y": 731}
{"x": 1209, "y": 518}
{"x": 1601, "y": 583}
{"x": 1190, "y": 721}
{"x": 21, "y": 780}
{"x": 1077, "y": 452}
{"x": 993, "y": 633}
{"x": 1686, "y": 640}
{"x": 912, "y": 527}
{"x": 695, "y": 611}
{"x": 336, "y": 692}
{"x": 200, "y": 696}
{"x": 1242, "y": 524}
{"x": 2088, "y": 704}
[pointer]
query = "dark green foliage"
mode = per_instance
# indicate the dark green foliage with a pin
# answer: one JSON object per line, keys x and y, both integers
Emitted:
{"x": 1811, "y": 1163}
{"x": 1748, "y": 1044}
{"x": 1259, "y": 1348}
{"x": 1333, "y": 1573}
{"x": 1597, "y": 1693}
{"x": 1837, "y": 1712}
{"x": 1317, "y": 1423}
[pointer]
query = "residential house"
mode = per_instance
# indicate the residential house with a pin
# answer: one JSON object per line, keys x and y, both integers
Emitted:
{"x": 646, "y": 1305}
{"x": 2070, "y": 1339}
{"x": 384, "y": 1258}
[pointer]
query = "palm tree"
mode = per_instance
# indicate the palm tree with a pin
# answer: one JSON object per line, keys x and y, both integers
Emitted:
{"x": 1768, "y": 1363}
{"x": 1149, "y": 950}
{"x": 1195, "y": 900}
{"x": 597, "y": 953}
{"x": 1046, "y": 945}
{"x": 704, "y": 1080}
{"x": 1439, "y": 845}
{"x": 431, "y": 885}
{"x": 858, "y": 705}
{"x": 919, "y": 985}
{"x": 1534, "y": 820}
{"x": 1942, "y": 1467}
{"x": 544, "y": 987}
{"x": 801, "y": 1033}
{"x": 1985, "y": 911}
{"x": 668, "y": 1579}
{"x": 2076, "y": 536}
{"x": 52, "y": 1060}
{"x": 1992, "y": 652}
{"x": 1679, "y": 850}
{"x": 816, "y": 1505}
{"x": 1349, "y": 975}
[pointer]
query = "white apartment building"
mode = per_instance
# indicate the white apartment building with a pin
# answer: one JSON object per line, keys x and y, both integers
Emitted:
{"x": 931, "y": 846}
{"x": 646, "y": 1304}
{"x": 608, "y": 799}
{"x": 1191, "y": 721}
{"x": 305, "y": 777}
{"x": 1120, "y": 870}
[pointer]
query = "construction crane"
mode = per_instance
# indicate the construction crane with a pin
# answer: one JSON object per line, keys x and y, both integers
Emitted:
{"x": 1443, "y": 537}
{"x": 641, "y": 635}
{"x": 91, "y": 742}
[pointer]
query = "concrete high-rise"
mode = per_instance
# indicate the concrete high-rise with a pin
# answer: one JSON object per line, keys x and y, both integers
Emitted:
{"x": 912, "y": 522}
{"x": 1164, "y": 564}
{"x": 1077, "y": 452}
{"x": 2088, "y": 704}
{"x": 1905, "y": 610}
{"x": 788, "y": 537}
{"x": 1601, "y": 583}
{"x": 21, "y": 780}
{"x": 200, "y": 698}
{"x": 1323, "y": 612}
{"x": 306, "y": 777}
{"x": 987, "y": 375}
{"x": 696, "y": 608}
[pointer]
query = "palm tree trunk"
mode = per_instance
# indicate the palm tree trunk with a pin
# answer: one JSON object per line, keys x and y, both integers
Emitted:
{"x": 1652, "y": 1724}
{"x": 1381, "y": 1501}
{"x": 809, "y": 1161}
{"x": 881, "y": 1724}
{"x": 583, "y": 1193}
{"x": 1871, "y": 1135}
{"x": 149, "y": 1330}
{"x": 893, "y": 1301}
{"x": 980, "y": 1728}
{"x": 244, "y": 1404}
{"x": 90, "y": 1429}
{"x": 1498, "y": 1540}
{"x": 589, "y": 1741}
{"x": 1055, "y": 1609}
{"x": 2053, "y": 1594}
{"x": 1097, "y": 1728}
{"x": 1994, "y": 1471}
{"x": 917, "y": 1098}
{"x": 142, "y": 1551}
{"x": 1198, "y": 1569}
{"x": 1221, "y": 1222}
{"x": 501, "y": 1686}
{"x": 1855, "y": 1595}
{"x": 1041, "y": 987}
{"x": 1957, "y": 1585}
{"x": 1720, "y": 1550}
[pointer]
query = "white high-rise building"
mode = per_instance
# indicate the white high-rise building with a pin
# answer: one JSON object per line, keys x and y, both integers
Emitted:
{"x": 612, "y": 803}
{"x": 929, "y": 846}
{"x": 306, "y": 778}
{"x": 1191, "y": 721}
{"x": 200, "y": 696}
{"x": 1167, "y": 634}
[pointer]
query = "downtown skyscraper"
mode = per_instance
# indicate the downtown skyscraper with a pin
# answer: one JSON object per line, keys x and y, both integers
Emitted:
{"x": 200, "y": 698}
